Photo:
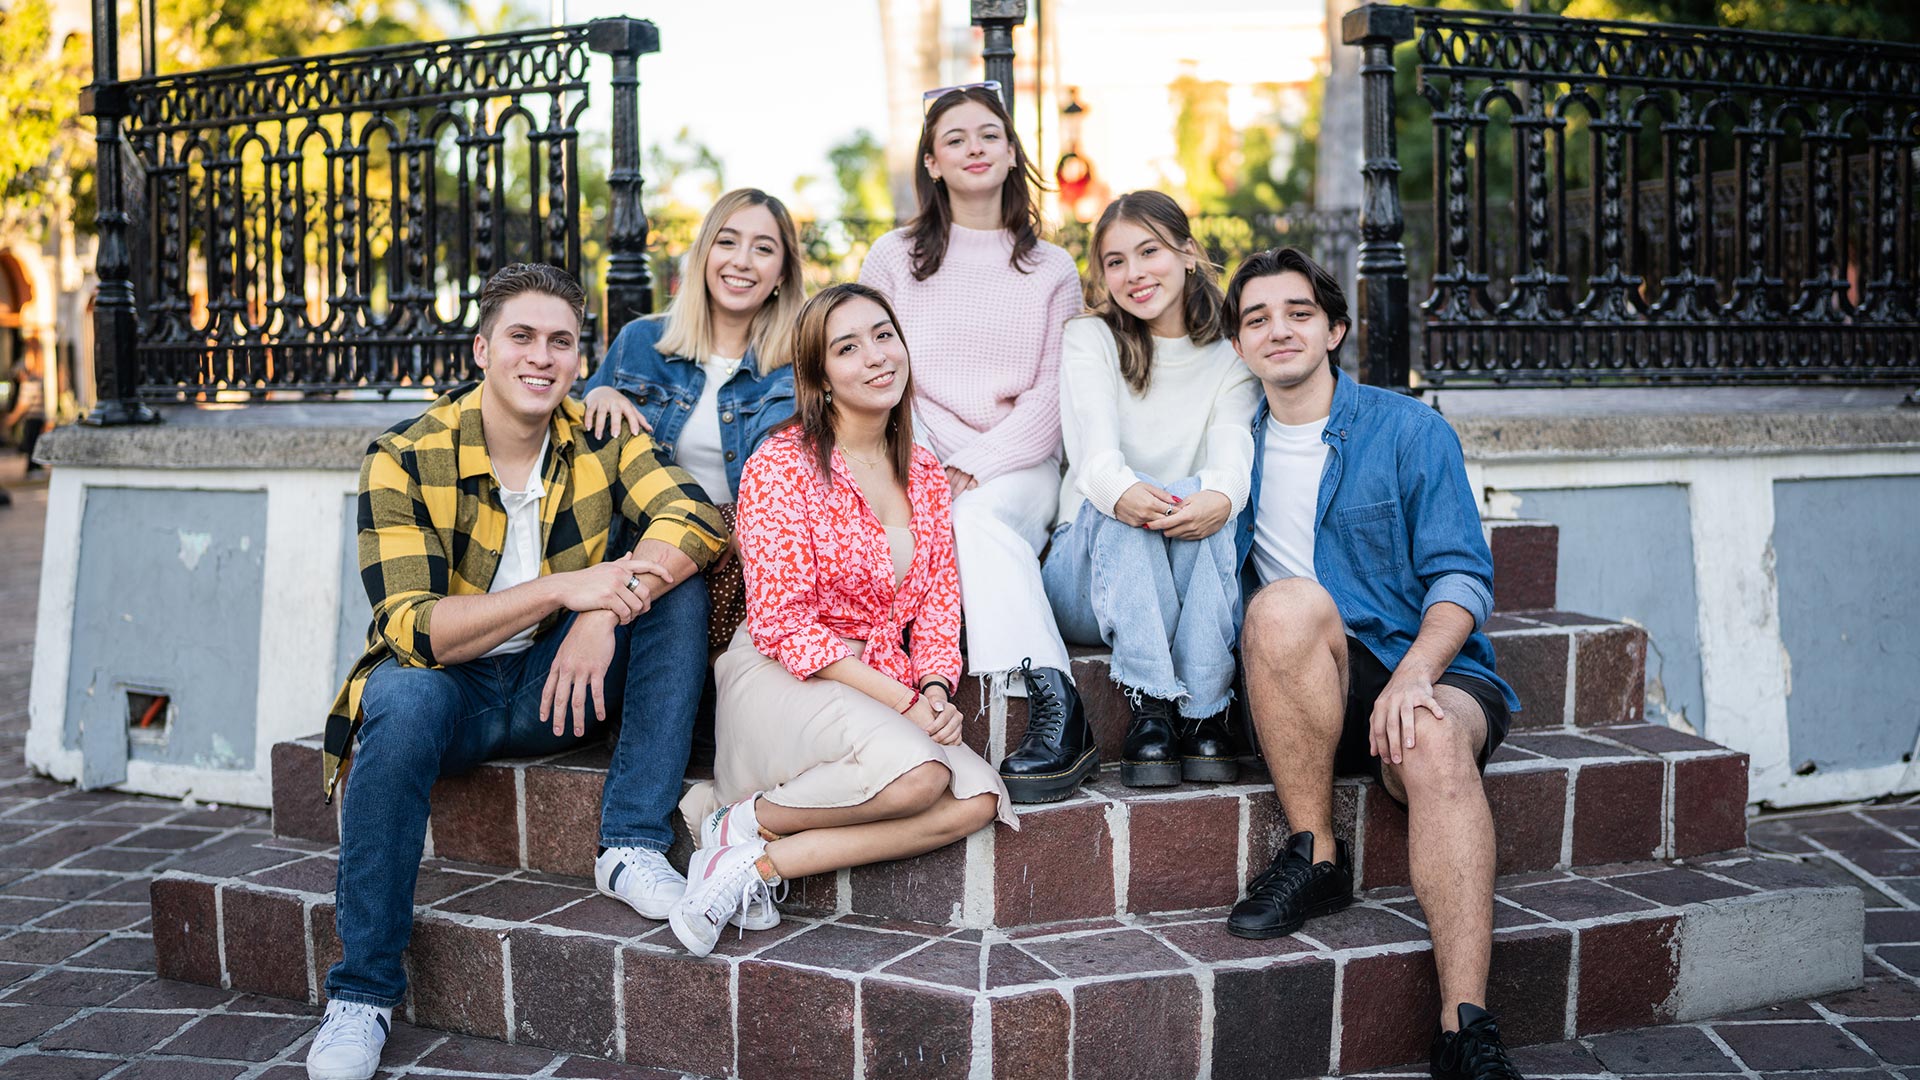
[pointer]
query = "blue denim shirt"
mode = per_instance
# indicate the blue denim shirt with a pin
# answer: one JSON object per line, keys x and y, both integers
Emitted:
{"x": 1397, "y": 529}
{"x": 666, "y": 388}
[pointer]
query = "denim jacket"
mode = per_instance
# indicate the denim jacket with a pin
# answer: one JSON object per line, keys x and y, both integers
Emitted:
{"x": 666, "y": 388}
{"x": 1397, "y": 528}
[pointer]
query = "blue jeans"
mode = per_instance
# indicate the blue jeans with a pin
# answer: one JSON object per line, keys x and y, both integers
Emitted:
{"x": 425, "y": 723}
{"x": 1169, "y": 609}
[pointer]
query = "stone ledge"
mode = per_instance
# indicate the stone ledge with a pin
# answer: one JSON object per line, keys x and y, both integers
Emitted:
{"x": 292, "y": 436}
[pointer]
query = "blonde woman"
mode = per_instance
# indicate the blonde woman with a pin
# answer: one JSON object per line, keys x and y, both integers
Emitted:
{"x": 711, "y": 375}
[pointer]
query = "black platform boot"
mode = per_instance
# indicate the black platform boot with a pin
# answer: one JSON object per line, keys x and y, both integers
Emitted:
{"x": 1151, "y": 755}
{"x": 1206, "y": 752}
{"x": 1057, "y": 751}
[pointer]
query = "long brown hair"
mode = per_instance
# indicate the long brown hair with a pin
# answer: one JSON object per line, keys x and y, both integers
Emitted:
{"x": 1200, "y": 301}
{"x": 689, "y": 329}
{"x": 813, "y": 413}
{"x": 1019, "y": 209}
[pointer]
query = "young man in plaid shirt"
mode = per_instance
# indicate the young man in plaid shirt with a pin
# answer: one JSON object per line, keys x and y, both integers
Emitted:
{"x": 501, "y": 629}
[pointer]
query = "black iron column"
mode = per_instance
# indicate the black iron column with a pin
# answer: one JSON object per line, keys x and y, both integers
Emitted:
{"x": 629, "y": 279}
{"x": 998, "y": 18}
{"x": 1383, "y": 315}
{"x": 116, "y": 365}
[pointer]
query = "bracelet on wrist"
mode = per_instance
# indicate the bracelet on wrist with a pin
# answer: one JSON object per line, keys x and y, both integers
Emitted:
{"x": 908, "y": 702}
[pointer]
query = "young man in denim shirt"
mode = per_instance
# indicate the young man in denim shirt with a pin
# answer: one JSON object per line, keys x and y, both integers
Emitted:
{"x": 1362, "y": 644}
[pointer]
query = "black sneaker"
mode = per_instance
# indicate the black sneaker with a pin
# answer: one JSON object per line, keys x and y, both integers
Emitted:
{"x": 1293, "y": 890}
{"x": 1475, "y": 1052}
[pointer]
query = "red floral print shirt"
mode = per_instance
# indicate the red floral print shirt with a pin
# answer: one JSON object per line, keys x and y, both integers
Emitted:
{"x": 819, "y": 570}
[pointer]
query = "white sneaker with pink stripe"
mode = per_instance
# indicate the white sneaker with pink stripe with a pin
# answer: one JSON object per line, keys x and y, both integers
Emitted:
{"x": 722, "y": 883}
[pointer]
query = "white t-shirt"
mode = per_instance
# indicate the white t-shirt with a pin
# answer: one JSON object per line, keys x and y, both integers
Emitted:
{"x": 698, "y": 450}
{"x": 1291, "y": 464}
{"x": 520, "y": 555}
{"x": 1193, "y": 419}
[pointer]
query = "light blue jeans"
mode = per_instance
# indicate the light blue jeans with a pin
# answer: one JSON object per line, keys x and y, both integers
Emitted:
{"x": 1169, "y": 609}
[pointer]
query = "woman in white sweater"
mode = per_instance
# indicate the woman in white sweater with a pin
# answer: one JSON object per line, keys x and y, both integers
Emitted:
{"x": 1155, "y": 410}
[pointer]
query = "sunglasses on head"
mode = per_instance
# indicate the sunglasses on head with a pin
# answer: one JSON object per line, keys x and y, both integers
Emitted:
{"x": 927, "y": 99}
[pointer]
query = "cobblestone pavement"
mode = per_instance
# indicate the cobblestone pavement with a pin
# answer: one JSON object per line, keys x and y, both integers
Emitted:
{"x": 79, "y": 999}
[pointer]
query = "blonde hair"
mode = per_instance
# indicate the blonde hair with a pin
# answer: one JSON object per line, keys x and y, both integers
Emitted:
{"x": 689, "y": 329}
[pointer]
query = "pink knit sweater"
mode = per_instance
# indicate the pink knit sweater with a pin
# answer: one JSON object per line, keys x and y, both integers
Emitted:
{"x": 985, "y": 343}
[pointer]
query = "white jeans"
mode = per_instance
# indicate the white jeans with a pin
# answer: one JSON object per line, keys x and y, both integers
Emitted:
{"x": 999, "y": 530}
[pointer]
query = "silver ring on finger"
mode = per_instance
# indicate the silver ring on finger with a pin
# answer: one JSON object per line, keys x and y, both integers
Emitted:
{"x": 1168, "y": 512}
{"x": 633, "y": 582}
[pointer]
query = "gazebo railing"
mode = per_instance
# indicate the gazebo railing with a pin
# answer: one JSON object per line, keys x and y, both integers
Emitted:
{"x": 1595, "y": 151}
{"x": 324, "y": 224}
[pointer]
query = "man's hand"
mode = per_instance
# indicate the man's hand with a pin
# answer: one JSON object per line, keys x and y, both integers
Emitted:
{"x": 1197, "y": 517}
{"x": 937, "y": 717}
{"x": 958, "y": 481}
{"x": 579, "y": 669}
{"x": 1143, "y": 503}
{"x": 1392, "y": 734}
{"x": 620, "y": 587}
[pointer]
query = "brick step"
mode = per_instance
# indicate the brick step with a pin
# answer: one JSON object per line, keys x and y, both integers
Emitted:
{"x": 1526, "y": 564}
{"x": 1560, "y": 799}
{"x": 539, "y": 959}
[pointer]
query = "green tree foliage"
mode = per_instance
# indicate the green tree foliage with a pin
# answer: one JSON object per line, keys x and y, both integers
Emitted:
{"x": 860, "y": 172}
{"x": 1255, "y": 168}
{"x": 47, "y": 138}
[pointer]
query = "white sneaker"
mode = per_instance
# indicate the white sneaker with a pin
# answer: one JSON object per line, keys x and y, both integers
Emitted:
{"x": 738, "y": 824}
{"x": 348, "y": 1044}
{"x": 721, "y": 883}
{"x": 640, "y": 878}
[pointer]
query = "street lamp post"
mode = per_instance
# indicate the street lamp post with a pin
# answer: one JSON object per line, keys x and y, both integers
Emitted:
{"x": 998, "y": 18}
{"x": 115, "y": 315}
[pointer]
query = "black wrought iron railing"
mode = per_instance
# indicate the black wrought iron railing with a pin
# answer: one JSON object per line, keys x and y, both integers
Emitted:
{"x": 1631, "y": 203}
{"x": 324, "y": 224}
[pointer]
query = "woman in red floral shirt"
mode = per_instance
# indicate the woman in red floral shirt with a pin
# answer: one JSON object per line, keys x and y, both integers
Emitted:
{"x": 838, "y": 744}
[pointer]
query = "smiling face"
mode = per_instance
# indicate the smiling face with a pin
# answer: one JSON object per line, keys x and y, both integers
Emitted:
{"x": 1146, "y": 276}
{"x": 970, "y": 150}
{"x": 531, "y": 354}
{"x": 866, "y": 363}
{"x": 744, "y": 263}
{"x": 1284, "y": 336}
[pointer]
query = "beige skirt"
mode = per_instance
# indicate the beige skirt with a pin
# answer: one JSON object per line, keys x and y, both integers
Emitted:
{"x": 816, "y": 744}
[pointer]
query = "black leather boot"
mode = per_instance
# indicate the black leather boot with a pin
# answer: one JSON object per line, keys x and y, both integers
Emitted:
{"x": 1292, "y": 890}
{"x": 1151, "y": 755}
{"x": 1206, "y": 752}
{"x": 1057, "y": 751}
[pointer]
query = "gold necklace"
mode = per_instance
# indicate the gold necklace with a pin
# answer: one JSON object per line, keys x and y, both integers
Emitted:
{"x": 856, "y": 457}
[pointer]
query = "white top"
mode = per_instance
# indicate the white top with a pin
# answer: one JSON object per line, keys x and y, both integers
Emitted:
{"x": 520, "y": 555}
{"x": 698, "y": 450}
{"x": 1292, "y": 461}
{"x": 1193, "y": 420}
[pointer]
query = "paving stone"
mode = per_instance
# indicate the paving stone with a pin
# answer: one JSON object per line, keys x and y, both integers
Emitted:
{"x": 1634, "y": 986}
{"x": 42, "y": 1067}
{"x": 44, "y": 946}
{"x": 1657, "y": 738}
{"x": 21, "y": 1024}
{"x": 169, "y": 994}
{"x": 1526, "y": 561}
{"x": 927, "y": 888}
{"x": 1062, "y": 869}
{"x": 111, "y": 1032}
{"x": 1676, "y": 886}
{"x": 165, "y": 838}
{"x": 1273, "y": 1021}
{"x": 1388, "y": 1003}
{"x": 563, "y": 991}
{"x": 266, "y": 942}
{"x": 62, "y": 886}
{"x": 1610, "y": 676}
{"x": 1896, "y": 1041}
{"x": 167, "y": 1069}
{"x": 95, "y": 916}
{"x": 125, "y": 952}
{"x": 1564, "y": 746}
{"x": 299, "y": 809}
{"x": 1209, "y": 942}
{"x": 1878, "y": 998}
{"x": 511, "y": 901}
{"x": 1010, "y": 965}
{"x": 1793, "y": 1046}
{"x": 1556, "y": 1059}
{"x": 844, "y": 947}
{"x": 21, "y": 910}
{"x": 1662, "y": 1050}
{"x": 1183, "y": 853}
{"x": 954, "y": 963}
{"x": 1535, "y": 665}
{"x": 915, "y": 1031}
{"x": 1710, "y": 804}
{"x": 241, "y": 1038}
{"x": 1361, "y": 926}
{"x": 311, "y": 875}
{"x": 476, "y": 817}
{"x": 463, "y": 1054}
{"x": 563, "y": 820}
{"x": 1527, "y": 830}
{"x": 1576, "y": 899}
{"x": 186, "y": 931}
{"x": 1527, "y": 983}
{"x": 1141, "y": 1028}
{"x": 1030, "y": 1035}
{"x": 679, "y": 1011}
{"x": 1616, "y": 812}
{"x": 1117, "y": 953}
{"x": 779, "y": 1042}
{"x": 586, "y": 1068}
{"x": 457, "y": 974}
{"x": 1893, "y": 927}
{"x": 65, "y": 986}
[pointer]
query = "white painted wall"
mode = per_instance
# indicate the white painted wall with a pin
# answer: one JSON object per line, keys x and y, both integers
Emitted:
{"x": 301, "y": 603}
{"x": 1745, "y": 667}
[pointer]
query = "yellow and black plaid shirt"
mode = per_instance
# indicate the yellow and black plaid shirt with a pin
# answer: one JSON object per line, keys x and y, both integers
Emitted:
{"x": 432, "y": 525}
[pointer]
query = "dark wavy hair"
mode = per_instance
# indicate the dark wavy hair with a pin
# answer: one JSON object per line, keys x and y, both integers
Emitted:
{"x": 813, "y": 414}
{"x": 1019, "y": 206}
{"x": 1274, "y": 261}
{"x": 1200, "y": 301}
{"x": 515, "y": 278}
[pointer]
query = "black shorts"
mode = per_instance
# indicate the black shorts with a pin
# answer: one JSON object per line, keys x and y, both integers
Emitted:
{"x": 1367, "y": 677}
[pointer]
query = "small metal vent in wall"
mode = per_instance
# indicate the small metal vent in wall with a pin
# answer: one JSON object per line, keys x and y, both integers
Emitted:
{"x": 149, "y": 716}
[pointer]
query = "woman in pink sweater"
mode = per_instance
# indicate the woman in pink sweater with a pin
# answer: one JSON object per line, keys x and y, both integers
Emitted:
{"x": 988, "y": 300}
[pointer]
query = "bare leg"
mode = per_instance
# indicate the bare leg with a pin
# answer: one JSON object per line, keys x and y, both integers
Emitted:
{"x": 1450, "y": 844}
{"x": 819, "y": 851}
{"x": 1295, "y": 650}
{"x": 912, "y": 792}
